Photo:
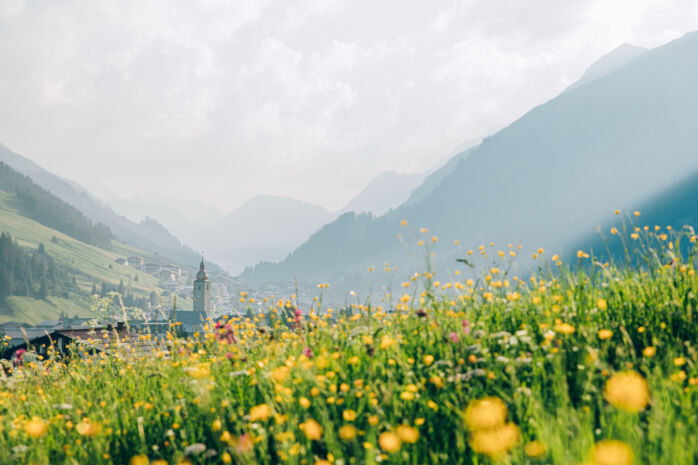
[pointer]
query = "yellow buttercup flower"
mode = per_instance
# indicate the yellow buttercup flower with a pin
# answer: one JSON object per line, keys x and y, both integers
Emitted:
{"x": 408, "y": 433}
{"x": 610, "y": 452}
{"x": 649, "y": 351}
{"x": 628, "y": 391}
{"x": 347, "y": 432}
{"x": 605, "y": 334}
{"x": 387, "y": 342}
{"x": 535, "y": 449}
{"x": 199, "y": 371}
{"x": 486, "y": 413}
{"x": 564, "y": 328}
{"x": 389, "y": 441}
{"x": 495, "y": 442}
{"x": 349, "y": 415}
{"x": 280, "y": 374}
{"x": 260, "y": 412}
{"x": 87, "y": 427}
{"x": 36, "y": 427}
{"x": 312, "y": 429}
{"x": 141, "y": 459}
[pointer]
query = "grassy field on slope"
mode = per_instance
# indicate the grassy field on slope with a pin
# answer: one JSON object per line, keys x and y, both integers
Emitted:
{"x": 90, "y": 263}
{"x": 591, "y": 363}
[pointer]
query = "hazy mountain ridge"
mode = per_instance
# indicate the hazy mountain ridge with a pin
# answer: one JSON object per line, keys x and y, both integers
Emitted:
{"x": 270, "y": 225}
{"x": 267, "y": 228}
{"x": 386, "y": 191}
{"x": 433, "y": 180}
{"x": 674, "y": 207}
{"x": 141, "y": 235}
{"x": 608, "y": 63}
{"x": 40, "y": 205}
{"x": 547, "y": 178}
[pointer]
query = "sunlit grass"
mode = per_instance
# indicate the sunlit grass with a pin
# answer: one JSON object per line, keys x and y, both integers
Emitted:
{"x": 587, "y": 363}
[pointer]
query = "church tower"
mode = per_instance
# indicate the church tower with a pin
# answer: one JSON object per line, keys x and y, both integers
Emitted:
{"x": 202, "y": 291}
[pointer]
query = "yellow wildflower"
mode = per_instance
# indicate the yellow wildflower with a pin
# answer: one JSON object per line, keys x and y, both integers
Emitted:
{"x": 347, "y": 432}
{"x": 535, "y": 449}
{"x": 387, "y": 341}
{"x": 564, "y": 328}
{"x": 628, "y": 391}
{"x": 486, "y": 413}
{"x": 610, "y": 452}
{"x": 36, "y": 427}
{"x": 87, "y": 427}
{"x": 496, "y": 441}
{"x": 312, "y": 429}
{"x": 408, "y": 433}
{"x": 141, "y": 459}
{"x": 389, "y": 442}
{"x": 260, "y": 412}
{"x": 199, "y": 371}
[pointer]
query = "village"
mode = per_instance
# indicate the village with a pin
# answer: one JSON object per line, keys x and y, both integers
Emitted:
{"x": 230, "y": 298}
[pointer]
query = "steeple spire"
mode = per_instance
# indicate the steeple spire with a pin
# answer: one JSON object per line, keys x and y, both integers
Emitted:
{"x": 202, "y": 275}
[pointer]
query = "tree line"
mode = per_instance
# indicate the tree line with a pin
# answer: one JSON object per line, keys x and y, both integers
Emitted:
{"x": 40, "y": 205}
{"x": 28, "y": 274}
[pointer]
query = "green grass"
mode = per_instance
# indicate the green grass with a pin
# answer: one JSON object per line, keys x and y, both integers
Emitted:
{"x": 368, "y": 386}
{"x": 30, "y": 310}
{"x": 90, "y": 263}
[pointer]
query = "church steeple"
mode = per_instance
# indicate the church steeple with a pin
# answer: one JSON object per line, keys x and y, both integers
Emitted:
{"x": 202, "y": 290}
{"x": 202, "y": 275}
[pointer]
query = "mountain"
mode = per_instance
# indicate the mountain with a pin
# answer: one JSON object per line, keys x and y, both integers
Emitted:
{"x": 40, "y": 205}
{"x": 190, "y": 231}
{"x": 612, "y": 61}
{"x": 433, "y": 180}
{"x": 142, "y": 235}
{"x": 547, "y": 179}
{"x": 52, "y": 257}
{"x": 263, "y": 228}
{"x": 386, "y": 191}
{"x": 675, "y": 207}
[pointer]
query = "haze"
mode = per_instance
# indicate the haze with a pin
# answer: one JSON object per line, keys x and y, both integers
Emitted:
{"x": 218, "y": 101}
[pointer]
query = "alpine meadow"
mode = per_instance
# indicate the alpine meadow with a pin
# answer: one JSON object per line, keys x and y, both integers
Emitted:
{"x": 330, "y": 232}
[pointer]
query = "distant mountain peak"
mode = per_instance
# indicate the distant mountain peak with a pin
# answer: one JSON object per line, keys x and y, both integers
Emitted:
{"x": 608, "y": 63}
{"x": 387, "y": 190}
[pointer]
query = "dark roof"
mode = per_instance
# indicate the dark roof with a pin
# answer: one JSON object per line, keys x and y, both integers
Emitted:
{"x": 189, "y": 317}
{"x": 96, "y": 338}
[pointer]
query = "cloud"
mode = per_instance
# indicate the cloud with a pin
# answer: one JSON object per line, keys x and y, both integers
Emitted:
{"x": 11, "y": 8}
{"x": 220, "y": 101}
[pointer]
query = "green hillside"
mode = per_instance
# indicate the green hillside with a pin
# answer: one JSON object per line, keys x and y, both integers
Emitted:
{"x": 89, "y": 264}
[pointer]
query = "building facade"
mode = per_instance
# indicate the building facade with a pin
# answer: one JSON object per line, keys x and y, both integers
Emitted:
{"x": 193, "y": 320}
{"x": 202, "y": 291}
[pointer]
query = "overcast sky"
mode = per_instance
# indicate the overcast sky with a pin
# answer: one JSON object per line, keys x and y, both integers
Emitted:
{"x": 221, "y": 100}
